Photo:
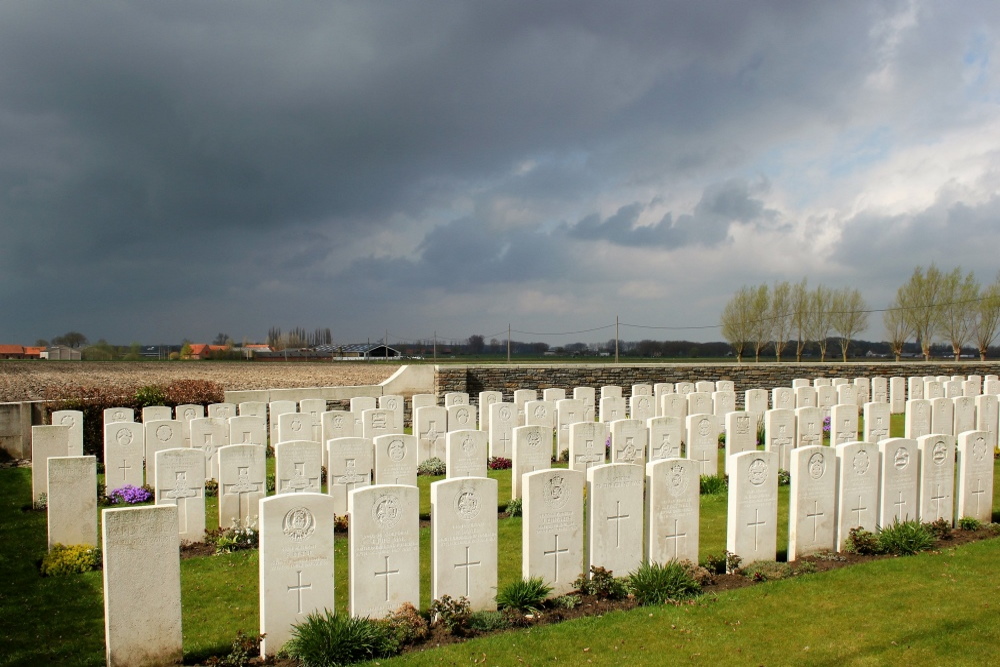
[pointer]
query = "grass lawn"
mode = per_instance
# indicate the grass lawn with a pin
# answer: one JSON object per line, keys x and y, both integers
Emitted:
{"x": 933, "y": 608}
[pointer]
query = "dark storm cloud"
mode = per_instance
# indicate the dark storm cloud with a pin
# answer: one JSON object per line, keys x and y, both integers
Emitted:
{"x": 708, "y": 225}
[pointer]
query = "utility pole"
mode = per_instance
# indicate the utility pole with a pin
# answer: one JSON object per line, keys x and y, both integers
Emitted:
{"x": 508, "y": 342}
{"x": 616, "y": 339}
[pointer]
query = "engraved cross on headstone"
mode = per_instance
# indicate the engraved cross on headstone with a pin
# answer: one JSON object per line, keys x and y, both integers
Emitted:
{"x": 179, "y": 494}
{"x": 386, "y": 573}
{"x": 617, "y": 518}
{"x": 814, "y": 515}
{"x": 555, "y": 556}
{"x": 978, "y": 492}
{"x": 937, "y": 501}
{"x": 299, "y": 481}
{"x": 124, "y": 467}
{"x": 298, "y": 588}
{"x": 243, "y": 488}
{"x": 350, "y": 478}
{"x": 665, "y": 448}
{"x": 755, "y": 524}
{"x": 591, "y": 457}
{"x": 676, "y": 537}
{"x": 900, "y": 505}
{"x": 859, "y": 509}
{"x": 468, "y": 564}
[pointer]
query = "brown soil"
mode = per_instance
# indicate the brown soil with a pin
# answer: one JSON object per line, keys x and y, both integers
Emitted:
{"x": 40, "y": 380}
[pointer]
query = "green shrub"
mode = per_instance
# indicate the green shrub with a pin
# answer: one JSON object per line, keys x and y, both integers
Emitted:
{"x": 766, "y": 570}
{"x": 40, "y": 504}
{"x": 714, "y": 484}
{"x": 237, "y": 537}
{"x": 601, "y": 584}
{"x": 514, "y": 506}
{"x": 406, "y": 625}
{"x": 969, "y": 523}
{"x": 722, "y": 563}
{"x": 653, "y": 583}
{"x": 452, "y": 612}
{"x": 940, "y": 529}
{"x": 70, "y": 559}
{"x": 806, "y": 567}
{"x": 432, "y": 466}
{"x": 905, "y": 538}
{"x": 525, "y": 595}
{"x": 271, "y": 483}
{"x": 862, "y": 542}
{"x": 568, "y": 601}
{"x": 245, "y": 649}
{"x": 151, "y": 394}
{"x": 328, "y": 639}
{"x": 784, "y": 477}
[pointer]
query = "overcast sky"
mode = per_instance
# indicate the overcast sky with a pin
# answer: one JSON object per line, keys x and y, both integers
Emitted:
{"x": 173, "y": 170}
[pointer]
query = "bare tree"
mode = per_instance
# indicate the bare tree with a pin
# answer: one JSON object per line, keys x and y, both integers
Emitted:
{"x": 760, "y": 329}
{"x": 919, "y": 299}
{"x": 848, "y": 316}
{"x": 801, "y": 305}
{"x": 737, "y": 319}
{"x": 819, "y": 318}
{"x": 987, "y": 317}
{"x": 897, "y": 328}
{"x": 781, "y": 316}
{"x": 956, "y": 308}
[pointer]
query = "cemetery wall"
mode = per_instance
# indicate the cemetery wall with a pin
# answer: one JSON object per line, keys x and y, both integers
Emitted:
{"x": 507, "y": 378}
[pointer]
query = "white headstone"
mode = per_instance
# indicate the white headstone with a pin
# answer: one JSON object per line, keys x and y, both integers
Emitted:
{"x": 826, "y": 398}
{"x": 48, "y": 442}
{"x": 351, "y": 463}
{"x": 209, "y": 435}
{"x": 725, "y": 385}
{"x": 954, "y": 388}
{"x": 157, "y": 413}
{"x": 943, "y": 415}
{"x": 296, "y": 563}
{"x": 822, "y": 382}
{"x": 659, "y": 389}
{"x": 552, "y": 527}
{"x": 878, "y": 418}
{"x": 115, "y": 415}
{"x": 384, "y": 546}
{"x": 937, "y": 477}
{"x": 464, "y": 540}
{"x": 396, "y": 459}
{"x": 252, "y": 409}
{"x": 423, "y": 401}
{"x": 723, "y": 402}
{"x": 74, "y": 420}
{"x": 782, "y": 398}
{"x": 897, "y": 395}
{"x": 185, "y": 413}
{"x": 987, "y": 418}
{"x": 917, "y": 419}
{"x": 700, "y": 403}
{"x": 611, "y": 408}
{"x": 275, "y": 409}
{"x": 641, "y": 406}
{"x": 812, "y": 501}
{"x": 642, "y": 389}
{"x": 180, "y": 481}
{"x": 857, "y": 492}
{"x": 674, "y": 405}
{"x": 809, "y": 426}
{"x": 486, "y": 399}
{"x": 72, "y": 500}
{"x": 847, "y": 394}
{"x": 752, "y": 519}
{"x": 991, "y": 386}
{"x": 461, "y": 417}
{"x": 142, "y": 613}
{"x": 611, "y": 391}
{"x": 503, "y": 420}
{"x": 899, "y": 462}
{"x": 294, "y": 426}
{"x": 880, "y": 390}
{"x": 221, "y": 410}
{"x": 467, "y": 454}
{"x": 629, "y": 439}
{"x": 298, "y": 467}
{"x": 755, "y": 401}
{"x": 589, "y": 397}
{"x": 540, "y": 413}
{"x": 379, "y": 421}
{"x": 455, "y": 398}
{"x": 805, "y": 397}
{"x": 314, "y": 407}
{"x": 248, "y": 430}
{"x": 531, "y": 451}
{"x": 672, "y": 510}
{"x": 160, "y": 435}
{"x": 864, "y": 386}
{"x": 704, "y": 386}
{"x": 741, "y": 433}
{"x": 568, "y": 411}
{"x": 124, "y": 450}
{"x": 553, "y": 394}
{"x": 684, "y": 388}
{"x": 703, "y": 442}
{"x": 965, "y": 414}
{"x": 665, "y": 438}
{"x": 242, "y": 483}
{"x": 844, "y": 424}
{"x": 522, "y": 396}
{"x": 430, "y": 424}
{"x": 975, "y": 476}
{"x": 615, "y": 517}
{"x": 914, "y": 388}
{"x": 396, "y": 404}
{"x": 933, "y": 389}
{"x": 587, "y": 445}
{"x": 780, "y": 435}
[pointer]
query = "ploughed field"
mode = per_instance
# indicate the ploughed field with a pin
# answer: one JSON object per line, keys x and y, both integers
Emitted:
{"x": 42, "y": 379}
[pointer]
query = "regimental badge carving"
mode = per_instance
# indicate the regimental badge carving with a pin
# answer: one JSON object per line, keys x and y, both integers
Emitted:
{"x": 296, "y": 425}
{"x": 120, "y": 416}
{"x": 124, "y": 437}
{"x": 396, "y": 451}
{"x": 386, "y": 510}
{"x": 189, "y": 414}
{"x": 338, "y": 422}
{"x": 704, "y": 426}
{"x": 467, "y": 504}
{"x": 462, "y": 415}
{"x": 901, "y": 459}
{"x": 555, "y": 492}
{"x": 534, "y": 439}
{"x": 505, "y": 414}
{"x": 468, "y": 445}
{"x": 743, "y": 425}
{"x": 677, "y": 480}
{"x": 939, "y": 452}
{"x": 539, "y": 411}
{"x": 757, "y": 472}
{"x": 298, "y": 524}
{"x": 164, "y": 433}
{"x": 391, "y": 404}
{"x": 862, "y": 462}
{"x": 979, "y": 448}
{"x": 817, "y": 465}
{"x": 67, "y": 420}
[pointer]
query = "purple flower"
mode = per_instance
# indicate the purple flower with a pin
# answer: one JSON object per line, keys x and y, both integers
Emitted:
{"x": 826, "y": 424}
{"x": 130, "y": 495}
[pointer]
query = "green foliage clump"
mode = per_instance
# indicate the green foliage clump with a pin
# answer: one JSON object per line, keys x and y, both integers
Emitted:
{"x": 41, "y": 503}
{"x": 514, "y": 506}
{"x": 245, "y": 649}
{"x": 328, "y": 639}
{"x": 905, "y": 538}
{"x": 70, "y": 559}
{"x": 489, "y": 621}
{"x": 806, "y": 567}
{"x": 714, "y": 485}
{"x": 969, "y": 523}
{"x": 784, "y": 477}
{"x": 722, "y": 563}
{"x": 211, "y": 488}
{"x": 432, "y": 466}
{"x": 151, "y": 394}
{"x": 601, "y": 584}
{"x": 405, "y": 626}
{"x": 568, "y": 601}
{"x": 525, "y": 595}
{"x": 862, "y": 542}
{"x": 655, "y": 583}
{"x": 940, "y": 529}
{"x": 767, "y": 570}
{"x": 238, "y": 537}
{"x": 271, "y": 483}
